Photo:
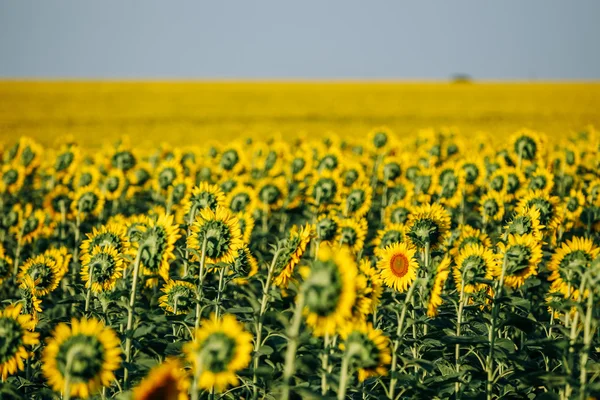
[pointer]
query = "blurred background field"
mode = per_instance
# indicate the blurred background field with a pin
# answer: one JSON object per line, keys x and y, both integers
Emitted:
{"x": 192, "y": 112}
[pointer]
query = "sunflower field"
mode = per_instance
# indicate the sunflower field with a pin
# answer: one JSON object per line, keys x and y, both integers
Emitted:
{"x": 429, "y": 266}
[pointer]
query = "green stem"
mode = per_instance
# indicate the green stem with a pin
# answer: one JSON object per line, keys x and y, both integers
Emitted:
{"x": 492, "y": 331}
{"x": 587, "y": 342}
{"x": 290, "y": 355}
{"x": 200, "y": 283}
{"x": 130, "y": 311}
{"x": 219, "y": 291}
{"x": 197, "y": 374}
{"x": 325, "y": 365}
{"x": 459, "y": 316}
{"x": 344, "y": 374}
{"x": 89, "y": 289}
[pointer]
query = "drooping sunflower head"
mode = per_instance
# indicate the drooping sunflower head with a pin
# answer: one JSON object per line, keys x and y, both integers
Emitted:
{"x": 569, "y": 264}
{"x": 203, "y": 196}
{"x": 221, "y": 348}
{"x": 165, "y": 381}
{"x": 87, "y": 351}
{"x": 329, "y": 290}
{"x": 474, "y": 265}
{"x": 393, "y": 233}
{"x": 44, "y": 272}
{"x": 427, "y": 225}
{"x": 16, "y": 331}
{"x": 290, "y": 254}
{"x": 368, "y": 348}
{"x": 521, "y": 255}
{"x": 245, "y": 266}
{"x": 101, "y": 268}
{"x": 178, "y": 297}
{"x": 398, "y": 266}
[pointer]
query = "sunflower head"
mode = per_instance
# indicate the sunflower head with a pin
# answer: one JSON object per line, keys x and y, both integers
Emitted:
{"x": 165, "y": 381}
{"x": 245, "y": 265}
{"x": 352, "y": 233}
{"x": 218, "y": 233}
{"x": 16, "y": 331}
{"x": 101, "y": 268}
{"x": 475, "y": 265}
{"x": 570, "y": 263}
{"x": 368, "y": 349}
{"x": 44, "y": 272}
{"x": 178, "y": 297}
{"x": 427, "y": 225}
{"x": 398, "y": 266}
{"x": 289, "y": 255}
{"x": 326, "y": 227}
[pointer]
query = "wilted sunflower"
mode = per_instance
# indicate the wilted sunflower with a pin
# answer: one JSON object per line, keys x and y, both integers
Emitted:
{"x": 220, "y": 348}
{"x": 352, "y": 233}
{"x": 473, "y": 264}
{"x": 6, "y": 265}
{"x": 101, "y": 268}
{"x": 329, "y": 290}
{"x": 290, "y": 255}
{"x": 167, "y": 381}
{"x": 393, "y": 233}
{"x": 368, "y": 348}
{"x": 44, "y": 272}
{"x": 220, "y": 230}
{"x": 11, "y": 178}
{"x": 522, "y": 254}
{"x": 569, "y": 263}
{"x": 87, "y": 201}
{"x": 178, "y": 297}
{"x": 491, "y": 207}
{"x": 158, "y": 242}
{"x": 356, "y": 200}
{"x": 85, "y": 355}
{"x": 111, "y": 234}
{"x": 437, "y": 286}
{"x": 16, "y": 331}
{"x": 242, "y": 198}
{"x": 428, "y": 224}
{"x": 398, "y": 266}
{"x": 244, "y": 267}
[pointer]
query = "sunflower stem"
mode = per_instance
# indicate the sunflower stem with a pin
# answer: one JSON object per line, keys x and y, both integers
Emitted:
{"x": 587, "y": 342}
{"x": 397, "y": 340}
{"x": 89, "y": 289}
{"x": 290, "y": 355}
{"x": 459, "y": 316}
{"x": 197, "y": 373}
{"x": 259, "y": 323}
{"x": 130, "y": 311}
{"x": 344, "y": 372}
{"x": 325, "y": 364}
{"x": 219, "y": 291}
{"x": 492, "y": 332}
{"x": 200, "y": 283}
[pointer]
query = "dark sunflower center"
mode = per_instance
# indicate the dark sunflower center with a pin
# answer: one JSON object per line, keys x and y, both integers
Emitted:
{"x": 86, "y": 355}
{"x": 573, "y": 265}
{"x": 31, "y": 224}
{"x": 572, "y": 204}
{"x": 399, "y": 265}
{"x": 491, "y": 207}
{"x": 366, "y": 354}
{"x": 113, "y": 183}
{"x": 142, "y": 176}
{"x": 42, "y": 275}
{"x": 4, "y": 268}
{"x": 27, "y": 156}
{"x": 512, "y": 183}
{"x": 85, "y": 179}
{"x": 538, "y": 182}
{"x": 217, "y": 351}
{"x": 11, "y": 335}
{"x": 228, "y": 185}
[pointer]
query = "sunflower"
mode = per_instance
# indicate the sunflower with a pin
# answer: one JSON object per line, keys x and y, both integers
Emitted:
{"x": 167, "y": 381}
{"x": 6, "y": 265}
{"x": 16, "y": 331}
{"x": 244, "y": 267}
{"x": 352, "y": 233}
{"x": 522, "y": 254}
{"x": 449, "y": 186}
{"x": 32, "y": 224}
{"x": 437, "y": 286}
{"x": 114, "y": 184}
{"x": 58, "y": 202}
{"x": 390, "y": 170}
{"x": 325, "y": 190}
{"x": 102, "y": 267}
{"x": 87, "y": 175}
{"x": 548, "y": 206}
{"x": 203, "y": 196}
{"x": 573, "y": 205}
{"x": 30, "y": 303}
{"x": 469, "y": 235}
{"x": 371, "y": 293}
{"x": 66, "y": 161}
{"x": 246, "y": 222}
{"x": 12, "y": 178}
{"x": 428, "y": 224}
{"x": 232, "y": 159}
{"x": 326, "y": 227}
{"x": 328, "y": 158}
{"x": 356, "y": 200}
{"x": 166, "y": 174}
{"x": 291, "y": 253}
{"x": 541, "y": 179}
{"x": 62, "y": 256}
{"x": 515, "y": 182}
{"x": 393, "y": 233}
{"x": 220, "y": 230}
{"x": 220, "y": 348}
{"x": 28, "y": 154}
{"x": 85, "y": 354}
{"x": 379, "y": 138}
{"x": 569, "y": 263}
{"x": 369, "y": 349}
{"x": 526, "y": 221}
{"x": 120, "y": 156}
{"x": 299, "y": 165}
{"x": 398, "y": 213}
{"x": 473, "y": 264}
{"x": 350, "y": 172}
{"x": 158, "y": 242}
{"x": 491, "y": 207}
{"x": 111, "y": 234}
{"x": 242, "y": 198}
{"x": 329, "y": 290}
{"x": 88, "y": 200}
{"x": 526, "y": 145}
{"x": 44, "y": 272}
{"x": 398, "y": 266}
{"x": 178, "y": 297}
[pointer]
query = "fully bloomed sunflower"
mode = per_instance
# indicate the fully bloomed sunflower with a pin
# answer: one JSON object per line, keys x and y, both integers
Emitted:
{"x": 17, "y": 337}
{"x": 356, "y": 200}
{"x": 84, "y": 355}
{"x": 369, "y": 349}
{"x": 526, "y": 221}
{"x": 569, "y": 263}
{"x": 330, "y": 290}
{"x": 87, "y": 201}
{"x": 428, "y": 225}
{"x": 220, "y": 348}
{"x": 522, "y": 255}
{"x": 217, "y": 233}
{"x": 101, "y": 268}
{"x": 398, "y": 266}
{"x": 168, "y": 381}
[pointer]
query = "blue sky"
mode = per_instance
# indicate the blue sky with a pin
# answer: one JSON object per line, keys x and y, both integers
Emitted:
{"x": 309, "y": 39}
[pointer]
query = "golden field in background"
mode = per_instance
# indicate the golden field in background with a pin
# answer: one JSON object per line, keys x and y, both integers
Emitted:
{"x": 191, "y": 112}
